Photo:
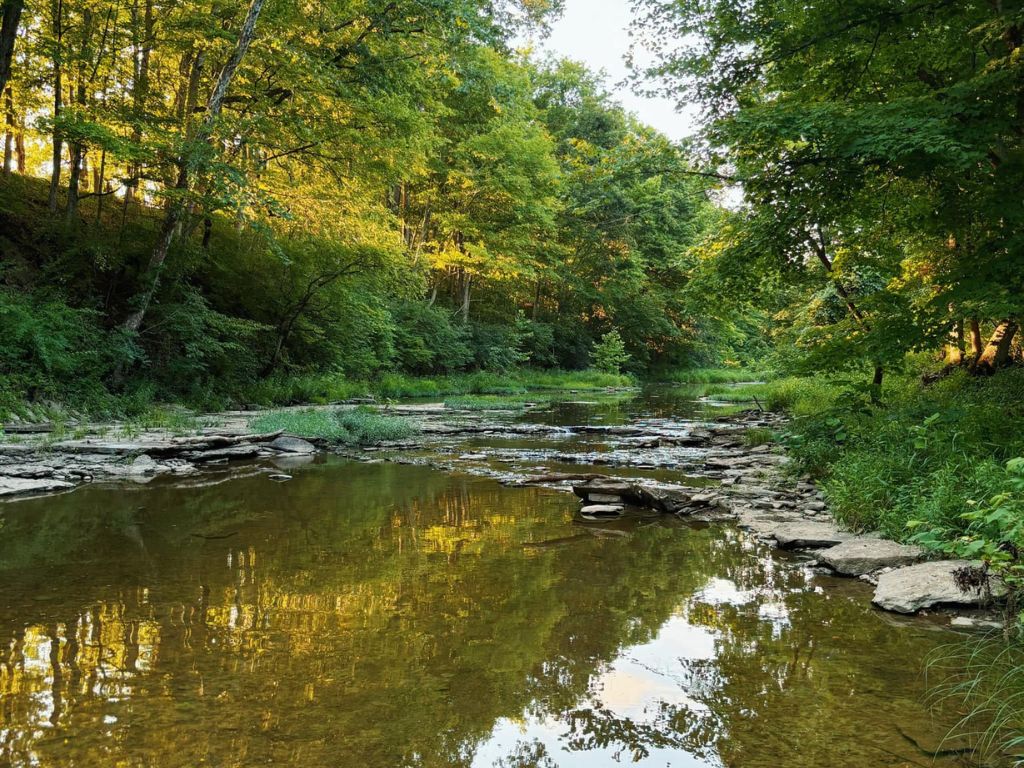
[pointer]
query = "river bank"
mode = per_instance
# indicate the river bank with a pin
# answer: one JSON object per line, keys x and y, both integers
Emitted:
{"x": 712, "y": 469}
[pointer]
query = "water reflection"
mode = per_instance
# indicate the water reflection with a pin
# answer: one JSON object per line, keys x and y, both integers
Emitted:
{"x": 386, "y": 615}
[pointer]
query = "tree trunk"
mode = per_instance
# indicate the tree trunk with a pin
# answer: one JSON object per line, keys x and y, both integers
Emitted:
{"x": 78, "y": 148}
{"x": 997, "y": 351}
{"x": 58, "y": 85}
{"x": 11, "y": 17}
{"x": 818, "y": 245}
{"x": 467, "y": 280}
{"x": 9, "y": 134}
{"x": 976, "y": 343}
{"x": 175, "y": 209}
{"x": 99, "y": 183}
{"x": 140, "y": 88}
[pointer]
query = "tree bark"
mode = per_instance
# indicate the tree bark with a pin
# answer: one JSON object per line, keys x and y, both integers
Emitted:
{"x": 467, "y": 280}
{"x": 997, "y": 351}
{"x": 818, "y": 245}
{"x": 175, "y": 208}
{"x": 976, "y": 343}
{"x": 57, "y": 8}
{"x": 9, "y": 134}
{"x": 10, "y": 10}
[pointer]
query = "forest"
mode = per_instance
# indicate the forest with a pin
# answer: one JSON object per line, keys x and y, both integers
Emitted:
{"x": 213, "y": 204}
{"x": 198, "y": 199}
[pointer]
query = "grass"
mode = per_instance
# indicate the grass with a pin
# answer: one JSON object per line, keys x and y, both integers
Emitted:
{"x": 923, "y": 455}
{"x": 756, "y": 436}
{"x": 984, "y": 680}
{"x": 359, "y": 426}
{"x": 706, "y": 376}
{"x": 322, "y": 389}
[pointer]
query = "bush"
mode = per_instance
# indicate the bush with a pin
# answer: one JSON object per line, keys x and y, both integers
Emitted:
{"x": 922, "y": 455}
{"x": 609, "y": 355}
{"x": 427, "y": 341}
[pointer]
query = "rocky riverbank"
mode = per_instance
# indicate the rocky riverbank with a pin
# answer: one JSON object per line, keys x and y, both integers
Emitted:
{"x": 704, "y": 470}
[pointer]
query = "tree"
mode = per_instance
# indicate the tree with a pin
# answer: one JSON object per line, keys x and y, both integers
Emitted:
{"x": 889, "y": 126}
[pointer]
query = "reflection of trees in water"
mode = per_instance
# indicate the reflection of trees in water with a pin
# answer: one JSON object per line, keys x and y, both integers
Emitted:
{"x": 386, "y": 616}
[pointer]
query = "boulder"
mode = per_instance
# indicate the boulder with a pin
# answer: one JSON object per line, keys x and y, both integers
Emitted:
{"x": 292, "y": 445}
{"x": 908, "y": 590}
{"x": 866, "y": 554}
{"x": 143, "y": 465}
{"x": 809, "y": 535}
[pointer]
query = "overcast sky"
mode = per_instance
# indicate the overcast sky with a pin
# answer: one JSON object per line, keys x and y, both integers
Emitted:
{"x": 596, "y": 33}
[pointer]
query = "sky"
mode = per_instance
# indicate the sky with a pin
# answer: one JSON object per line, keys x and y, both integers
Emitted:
{"x": 596, "y": 33}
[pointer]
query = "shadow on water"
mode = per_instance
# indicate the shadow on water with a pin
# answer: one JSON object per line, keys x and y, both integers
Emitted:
{"x": 384, "y": 615}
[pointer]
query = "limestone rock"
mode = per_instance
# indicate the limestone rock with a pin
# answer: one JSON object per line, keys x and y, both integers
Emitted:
{"x": 809, "y": 535}
{"x": 865, "y": 554}
{"x": 908, "y": 590}
{"x": 292, "y": 445}
{"x": 12, "y": 486}
{"x": 604, "y": 498}
{"x": 143, "y": 465}
{"x": 598, "y": 512}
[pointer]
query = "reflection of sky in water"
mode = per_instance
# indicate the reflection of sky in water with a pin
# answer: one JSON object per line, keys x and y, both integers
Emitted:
{"x": 643, "y": 682}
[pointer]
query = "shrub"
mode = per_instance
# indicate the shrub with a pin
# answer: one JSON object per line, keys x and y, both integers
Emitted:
{"x": 609, "y": 355}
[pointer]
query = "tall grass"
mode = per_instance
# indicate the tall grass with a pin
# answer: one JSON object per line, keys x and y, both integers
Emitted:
{"x": 359, "y": 426}
{"x": 983, "y": 679}
{"x": 922, "y": 455}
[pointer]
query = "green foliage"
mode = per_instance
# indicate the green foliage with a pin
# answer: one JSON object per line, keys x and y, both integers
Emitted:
{"x": 359, "y": 426}
{"x": 990, "y": 530}
{"x": 921, "y": 455}
{"x": 610, "y": 355}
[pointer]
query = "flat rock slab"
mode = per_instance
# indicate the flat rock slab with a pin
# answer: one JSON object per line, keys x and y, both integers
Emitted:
{"x": 810, "y": 535}
{"x": 910, "y": 589}
{"x": 866, "y": 554}
{"x": 12, "y": 486}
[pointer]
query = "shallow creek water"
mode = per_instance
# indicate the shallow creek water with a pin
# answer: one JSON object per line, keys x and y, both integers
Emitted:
{"x": 392, "y": 615}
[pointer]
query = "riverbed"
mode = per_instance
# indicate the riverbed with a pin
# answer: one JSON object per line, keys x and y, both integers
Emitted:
{"x": 425, "y": 609}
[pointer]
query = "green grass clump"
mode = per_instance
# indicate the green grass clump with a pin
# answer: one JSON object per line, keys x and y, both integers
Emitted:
{"x": 756, "y": 436}
{"x": 359, "y": 426}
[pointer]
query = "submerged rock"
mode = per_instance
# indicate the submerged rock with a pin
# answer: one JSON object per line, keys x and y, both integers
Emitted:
{"x": 910, "y": 589}
{"x": 865, "y": 554}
